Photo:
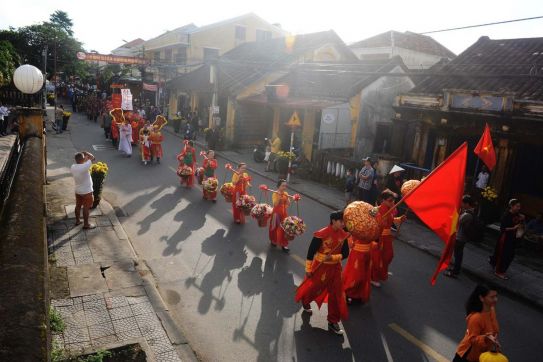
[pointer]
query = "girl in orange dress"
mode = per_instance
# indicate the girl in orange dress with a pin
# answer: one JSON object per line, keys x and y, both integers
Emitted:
{"x": 482, "y": 330}
{"x": 209, "y": 165}
{"x": 187, "y": 157}
{"x": 241, "y": 181}
{"x": 281, "y": 202}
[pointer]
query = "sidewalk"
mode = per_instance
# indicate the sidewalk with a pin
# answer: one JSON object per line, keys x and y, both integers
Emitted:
{"x": 105, "y": 296}
{"x": 525, "y": 283}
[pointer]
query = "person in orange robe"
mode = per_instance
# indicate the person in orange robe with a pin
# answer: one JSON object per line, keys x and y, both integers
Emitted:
{"x": 241, "y": 181}
{"x": 357, "y": 272}
{"x": 156, "y": 139}
{"x": 209, "y": 165}
{"x": 322, "y": 282}
{"x": 114, "y": 132}
{"x": 383, "y": 252}
{"x": 187, "y": 157}
{"x": 145, "y": 146}
{"x": 482, "y": 326}
{"x": 281, "y": 202}
{"x": 135, "y": 128}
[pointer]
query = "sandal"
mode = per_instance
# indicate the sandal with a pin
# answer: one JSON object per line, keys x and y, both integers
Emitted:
{"x": 90, "y": 226}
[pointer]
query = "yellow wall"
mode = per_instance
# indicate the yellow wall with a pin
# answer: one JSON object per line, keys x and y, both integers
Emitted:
{"x": 308, "y": 132}
{"x": 230, "y": 120}
{"x": 354, "y": 103}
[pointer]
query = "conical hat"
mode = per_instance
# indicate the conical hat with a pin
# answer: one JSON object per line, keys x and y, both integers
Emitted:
{"x": 396, "y": 168}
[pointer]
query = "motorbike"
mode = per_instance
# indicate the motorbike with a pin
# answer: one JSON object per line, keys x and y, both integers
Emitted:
{"x": 259, "y": 152}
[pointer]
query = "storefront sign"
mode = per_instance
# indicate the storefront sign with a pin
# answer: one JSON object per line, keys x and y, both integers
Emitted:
{"x": 112, "y": 59}
{"x": 150, "y": 87}
{"x": 126, "y": 103}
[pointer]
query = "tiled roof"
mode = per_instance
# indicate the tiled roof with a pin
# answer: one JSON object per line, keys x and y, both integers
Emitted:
{"x": 250, "y": 62}
{"x": 407, "y": 40}
{"x": 508, "y": 65}
{"x": 337, "y": 81}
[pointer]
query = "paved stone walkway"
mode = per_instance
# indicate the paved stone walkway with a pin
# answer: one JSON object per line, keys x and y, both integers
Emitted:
{"x": 98, "y": 286}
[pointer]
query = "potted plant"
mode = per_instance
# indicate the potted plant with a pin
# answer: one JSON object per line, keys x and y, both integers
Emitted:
{"x": 283, "y": 159}
{"x": 98, "y": 172}
{"x": 65, "y": 118}
{"x": 488, "y": 205}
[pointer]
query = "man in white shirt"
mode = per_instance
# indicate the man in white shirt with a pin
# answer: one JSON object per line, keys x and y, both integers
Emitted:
{"x": 482, "y": 179}
{"x": 83, "y": 187}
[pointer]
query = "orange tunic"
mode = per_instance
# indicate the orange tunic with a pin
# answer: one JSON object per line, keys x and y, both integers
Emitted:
{"x": 209, "y": 166}
{"x": 383, "y": 252}
{"x": 156, "y": 139}
{"x": 479, "y": 325}
{"x": 281, "y": 203}
{"x": 240, "y": 188}
{"x": 145, "y": 147}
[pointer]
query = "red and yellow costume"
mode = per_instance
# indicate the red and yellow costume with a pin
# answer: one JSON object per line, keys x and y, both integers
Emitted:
{"x": 209, "y": 165}
{"x": 114, "y": 131}
{"x": 145, "y": 146}
{"x": 325, "y": 284}
{"x": 384, "y": 252}
{"x": 240, "y": 188}
{"x": 156, "y": 139}
{"x": 135, "y": 131}
{"x": 357, "y": 272}
{"x": 281, "y": 203}
{"x": 187, "y": 158}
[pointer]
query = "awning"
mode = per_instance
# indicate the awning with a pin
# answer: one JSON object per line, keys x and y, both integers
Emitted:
{"x": 293, "y": 102}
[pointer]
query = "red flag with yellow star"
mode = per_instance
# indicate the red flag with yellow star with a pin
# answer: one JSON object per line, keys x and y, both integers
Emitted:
{"x": 436, "y": 201}
{"x": 485, "y": 149}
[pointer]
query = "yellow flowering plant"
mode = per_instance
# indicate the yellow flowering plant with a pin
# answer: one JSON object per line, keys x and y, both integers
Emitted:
{"x": 489, "y": 194}
{"x": 67, "y": 114}
{"x": 99, "y": 168}
{"x": 288, "y": 155}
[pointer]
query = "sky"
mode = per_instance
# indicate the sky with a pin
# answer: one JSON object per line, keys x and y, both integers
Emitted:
{"x": 103, "y": 25}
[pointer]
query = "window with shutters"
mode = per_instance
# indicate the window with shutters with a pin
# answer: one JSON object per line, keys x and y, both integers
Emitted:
{"x": 211, "y": 54}
{"x": 181, "y": 56}
{"x": 263, "y": 35}
{"x": 241, "y": 32}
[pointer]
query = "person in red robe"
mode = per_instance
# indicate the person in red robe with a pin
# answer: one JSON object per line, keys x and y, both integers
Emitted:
{"x": 383, "y": 252}
{"x": 357, "y": 272}
{"x": 156, "y": 139}
{"x": 281, "y": 202}
{"x": 135, "y": 128}
{"x": 209, "y": 165}
{"x": 241, "y": 181}
{"x": 187, "y": 157}
{"x": 114, "y": 132}
{"x": 323, "y": 281}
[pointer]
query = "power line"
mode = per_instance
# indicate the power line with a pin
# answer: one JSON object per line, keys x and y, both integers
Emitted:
{"x": 480, "y": 25}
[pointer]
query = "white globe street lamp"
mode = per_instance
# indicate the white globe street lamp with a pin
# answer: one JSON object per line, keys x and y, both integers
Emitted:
{"x": 28, "y": 79}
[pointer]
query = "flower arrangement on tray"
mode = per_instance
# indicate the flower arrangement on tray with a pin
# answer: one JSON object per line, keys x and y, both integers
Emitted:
{"x": 210, "y": 184}
{"x": 262, "y": 213}
{"x": 66, "y": 114}
{"x": 489, "y": 193}
{"x": 227, "y": 190}
{"x": 184, "y": 171}
{"x": 287, "y": 155}
{"x": 293, "y": 226}
{"x": 98, "y": 172}
{"x": 246, "y": 203}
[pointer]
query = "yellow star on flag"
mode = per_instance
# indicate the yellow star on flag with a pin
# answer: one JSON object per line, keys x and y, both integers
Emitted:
{"x": 454, "y": 223}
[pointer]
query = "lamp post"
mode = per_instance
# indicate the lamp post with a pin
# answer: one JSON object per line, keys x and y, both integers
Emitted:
{"x": 293, "y": 123}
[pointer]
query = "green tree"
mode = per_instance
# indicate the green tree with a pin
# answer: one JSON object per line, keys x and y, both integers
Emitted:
{"x": 9, "y": 60}
{"x": 62, "y": 20}
{"x": 56, "y": 36}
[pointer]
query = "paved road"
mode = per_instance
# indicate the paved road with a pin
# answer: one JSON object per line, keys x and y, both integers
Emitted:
{"x": 234, "y": 296}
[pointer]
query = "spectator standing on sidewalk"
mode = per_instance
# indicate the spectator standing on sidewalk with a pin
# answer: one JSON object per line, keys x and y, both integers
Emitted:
{"x": 464, "y": 222}
{"x": 107, "y": 124}
{"x": 511, "y": 228}
{"x": 59, "y": 113}
{"x": 4, "y": 113}
{"x": 365, "y": 176}
{"x": 349, "y": 186}
{"x": 275, "y": 148}
{"x": 482, "y": 325}
{"x": 83, "y": 187}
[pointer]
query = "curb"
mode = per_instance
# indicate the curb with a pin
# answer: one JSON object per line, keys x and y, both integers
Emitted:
{"x": 174, "y": 332}
{"x": 531, "y": 300}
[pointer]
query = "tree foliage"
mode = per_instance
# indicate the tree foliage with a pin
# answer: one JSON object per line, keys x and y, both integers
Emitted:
{"x": 9, "y": 60}
{"x": 55, "y": 35}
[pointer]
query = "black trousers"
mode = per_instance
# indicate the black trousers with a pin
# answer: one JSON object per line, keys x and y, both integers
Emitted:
{"x": 458, "y": 256}
{"x": 364, "y": 195}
